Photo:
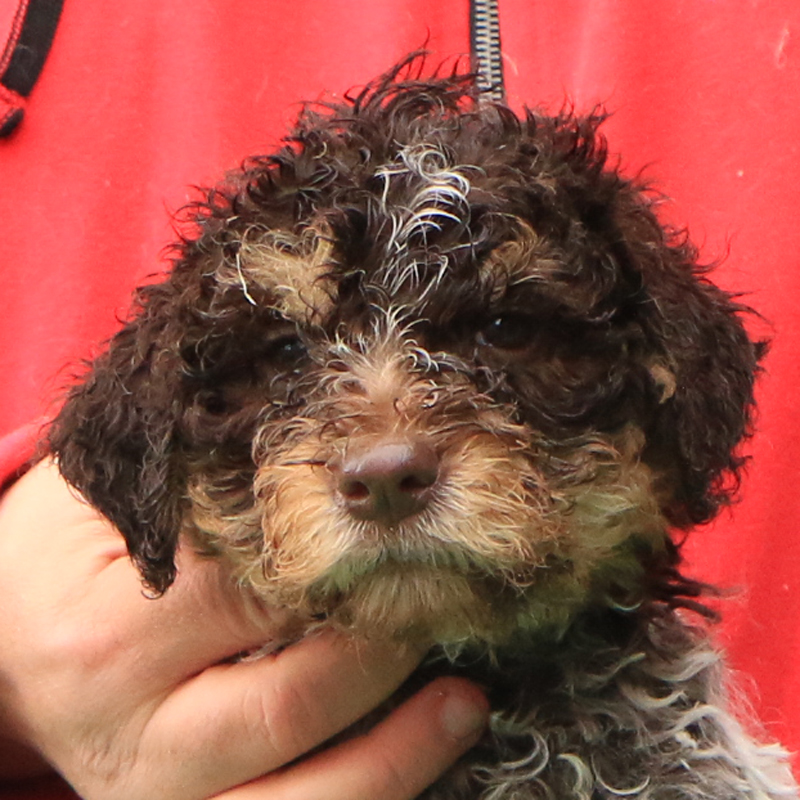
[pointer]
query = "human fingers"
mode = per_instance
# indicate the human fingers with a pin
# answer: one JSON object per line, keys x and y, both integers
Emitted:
{"x": 235, "y": 722}
{"x": 396, "y": 760}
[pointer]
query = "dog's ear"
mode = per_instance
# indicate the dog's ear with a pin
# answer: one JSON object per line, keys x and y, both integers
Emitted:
{"x": 704, "y": 374}
{"x": 115, "y": 441}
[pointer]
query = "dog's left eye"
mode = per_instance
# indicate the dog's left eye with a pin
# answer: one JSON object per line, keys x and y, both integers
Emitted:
{"x": 286, "y": 350}
{"x": 510, "y": 331}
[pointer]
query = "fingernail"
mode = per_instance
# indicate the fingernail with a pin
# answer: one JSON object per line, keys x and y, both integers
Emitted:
{"x": 464, "y": 712}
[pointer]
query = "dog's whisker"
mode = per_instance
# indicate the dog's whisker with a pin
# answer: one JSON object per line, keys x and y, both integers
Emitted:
{"x": 242, "y": 280}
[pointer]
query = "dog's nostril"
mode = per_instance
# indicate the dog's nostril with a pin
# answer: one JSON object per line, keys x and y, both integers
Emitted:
{"x": 417, "y": 483}
{"x": 388, "y": 481}
{"x": 354, "y": 490}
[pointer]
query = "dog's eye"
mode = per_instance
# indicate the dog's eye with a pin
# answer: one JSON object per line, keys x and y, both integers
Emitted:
{"x": 510, "y": 331}
{"x": 213, "y": 402}
{"x": 286, "y": 350}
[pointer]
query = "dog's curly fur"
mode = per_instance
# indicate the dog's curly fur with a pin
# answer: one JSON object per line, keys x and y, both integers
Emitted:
{"x": 421, "y": 272}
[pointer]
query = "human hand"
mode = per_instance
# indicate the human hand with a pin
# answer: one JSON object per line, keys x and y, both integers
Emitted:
{"x": 130, "y": 697}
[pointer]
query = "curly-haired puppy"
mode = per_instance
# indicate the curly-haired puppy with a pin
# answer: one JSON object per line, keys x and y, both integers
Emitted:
{"x": 436, "y": 370}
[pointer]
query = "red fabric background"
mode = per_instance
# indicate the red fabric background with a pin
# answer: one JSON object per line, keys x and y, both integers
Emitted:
{"x": 140, "y": 100}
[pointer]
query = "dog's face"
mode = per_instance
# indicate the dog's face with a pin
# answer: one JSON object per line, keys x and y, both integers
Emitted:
{"x": 431, "y": 369}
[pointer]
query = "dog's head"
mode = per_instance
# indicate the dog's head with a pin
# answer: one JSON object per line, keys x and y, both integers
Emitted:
{"x": 431, "y": 366}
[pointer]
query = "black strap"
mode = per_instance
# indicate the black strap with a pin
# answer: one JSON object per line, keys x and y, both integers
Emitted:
{"x": 487, "y": 57}
{"x": 32, "y": 33}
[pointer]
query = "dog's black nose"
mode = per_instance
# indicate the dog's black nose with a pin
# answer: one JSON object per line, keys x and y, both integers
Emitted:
{"x": 388, "y": 481}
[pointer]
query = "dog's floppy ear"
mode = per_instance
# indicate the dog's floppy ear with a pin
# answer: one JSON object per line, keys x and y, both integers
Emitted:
{"x": 706, "y": 372}
{"x": 114, "y": 441}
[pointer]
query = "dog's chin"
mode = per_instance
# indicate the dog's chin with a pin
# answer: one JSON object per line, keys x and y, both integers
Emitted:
{"x": 414, "y": 601}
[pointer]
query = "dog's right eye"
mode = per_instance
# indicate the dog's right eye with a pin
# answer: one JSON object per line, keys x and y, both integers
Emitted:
{"x": 511, "y": 331}
{"x": 286, "y": 350}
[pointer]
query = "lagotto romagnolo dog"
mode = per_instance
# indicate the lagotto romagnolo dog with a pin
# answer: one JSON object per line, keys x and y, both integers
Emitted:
{"x": 436, "y": 370}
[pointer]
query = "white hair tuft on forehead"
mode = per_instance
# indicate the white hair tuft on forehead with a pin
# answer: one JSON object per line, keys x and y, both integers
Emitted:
{"x": 440, "y": 197}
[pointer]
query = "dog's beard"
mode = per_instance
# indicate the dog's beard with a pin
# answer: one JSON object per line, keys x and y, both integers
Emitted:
{"x": 439, "y": 572}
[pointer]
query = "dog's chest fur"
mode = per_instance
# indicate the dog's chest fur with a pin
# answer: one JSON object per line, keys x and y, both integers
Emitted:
{"x": 436, "y": 371}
